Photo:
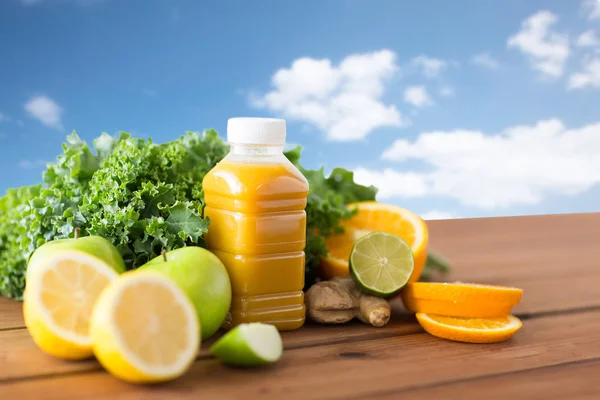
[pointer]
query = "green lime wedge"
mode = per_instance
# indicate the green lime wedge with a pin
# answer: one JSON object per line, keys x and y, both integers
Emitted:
{"x": 381, "y": 263}
{"x": 249, "y": 344}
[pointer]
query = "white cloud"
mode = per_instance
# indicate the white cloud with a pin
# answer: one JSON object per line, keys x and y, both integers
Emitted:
{"x": 446, "y": 91}
{"x": 3, "y": 117}
{"x": 29, "y": 164}
{"x": 436, "y": 214}
{"x": 429, "y": 66}
{"x": 417, "y": 96}
{"x": 485, "y": 60}
{"x": 519, "y": 166}
{"x": 344, "y": 100}
{"x": 588, "y": 77}
{"x": 45, "y": 110}
{"x": 149, "y": 92}
{"x": 392, "y": 183}
{"x": 592, "y": 7}
{"x": 587, "y": 39}
{"x": 546, "y": 50}
{"x": 20, "y": 123}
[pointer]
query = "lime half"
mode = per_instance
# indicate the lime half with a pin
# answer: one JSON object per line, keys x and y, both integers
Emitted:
{"x": 381, "y": 263}
{"x": 249, "y": 344}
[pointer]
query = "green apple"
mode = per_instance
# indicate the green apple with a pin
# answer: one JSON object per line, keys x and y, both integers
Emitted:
{"x": 94, "y": 245}
{"x": 249, "y": 345}
{"x": 203, "y": 278}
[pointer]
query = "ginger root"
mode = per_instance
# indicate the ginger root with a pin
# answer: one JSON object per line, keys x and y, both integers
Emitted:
{"x": 339, "y": 300}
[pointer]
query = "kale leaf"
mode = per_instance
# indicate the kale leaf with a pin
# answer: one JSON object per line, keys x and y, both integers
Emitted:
{"x": 144, "y": 197}
{"x": 326, "y": 208}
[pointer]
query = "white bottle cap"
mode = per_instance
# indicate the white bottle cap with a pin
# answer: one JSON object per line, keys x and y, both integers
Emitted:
{"x": 268, "y": 131}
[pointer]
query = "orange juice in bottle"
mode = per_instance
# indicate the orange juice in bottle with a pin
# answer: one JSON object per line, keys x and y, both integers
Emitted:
{"x": 255, "y": 200}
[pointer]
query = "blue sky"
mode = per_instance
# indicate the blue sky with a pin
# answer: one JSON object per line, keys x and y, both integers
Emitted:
{"x": 453, "y": 109}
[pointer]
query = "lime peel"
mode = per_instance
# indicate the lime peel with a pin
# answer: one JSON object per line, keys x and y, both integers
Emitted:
{"x": 381, "y": 263}
{"x": 249, "y": 345}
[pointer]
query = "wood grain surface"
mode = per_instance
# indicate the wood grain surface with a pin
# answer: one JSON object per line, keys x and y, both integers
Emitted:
{"x": 554, "y": 258}
{"x": 571, "y": 380}
{"x": 11, "y": 315}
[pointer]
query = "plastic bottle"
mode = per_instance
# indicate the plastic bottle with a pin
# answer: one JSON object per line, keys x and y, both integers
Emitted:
{"x": 255, "y": 199}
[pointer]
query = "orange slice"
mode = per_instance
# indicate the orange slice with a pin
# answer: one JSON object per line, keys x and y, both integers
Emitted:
{"x": 376, "y": 217}
{"x": 470, "y": 330}
{"x": 460, "y": 299}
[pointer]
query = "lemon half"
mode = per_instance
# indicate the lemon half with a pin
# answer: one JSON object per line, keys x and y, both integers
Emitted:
{"x": 59, "y": 299}
{"x": 144, "y": 328}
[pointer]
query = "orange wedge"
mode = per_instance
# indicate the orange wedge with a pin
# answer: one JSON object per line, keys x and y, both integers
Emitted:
{"x": 470, "y": 330}
{"x": 376, "y": 217}
{"x": 460, "y": 299}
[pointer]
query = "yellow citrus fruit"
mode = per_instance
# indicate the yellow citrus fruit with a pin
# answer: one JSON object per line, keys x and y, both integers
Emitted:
{"x": 460, "y": 299}
{"x": 376, "y": 217}
{"x": 470, "y": 330}
{"x": 58, "y": 302}
{"x": 144, "y": 328}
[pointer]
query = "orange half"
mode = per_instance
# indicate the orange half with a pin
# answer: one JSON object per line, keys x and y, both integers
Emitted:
{"x": 376, "y": 217}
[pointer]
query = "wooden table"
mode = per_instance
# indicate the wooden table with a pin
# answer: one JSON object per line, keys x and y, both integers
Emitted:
{"x": 555, "y": 259}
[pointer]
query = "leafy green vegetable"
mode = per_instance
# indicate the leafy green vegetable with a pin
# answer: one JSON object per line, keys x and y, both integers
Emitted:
{"x": 326, "y": 208}
{"x": 435, "y": 261}
{"x": 144, "y": 197}
{"x": 12, "y": 264}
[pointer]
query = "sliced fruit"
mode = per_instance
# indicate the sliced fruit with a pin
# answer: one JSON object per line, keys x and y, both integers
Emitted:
{"x": 144, "y": 328}
{"x": 470, "y": 330}
{"x": 96, "y": 246}
{"x": 376, "y": 217}
{"x": 203, "y": 277}
{"x": 460, "y": 299}
{"x": 381, "y": 263}
{"x": 59, "y": 298}
{"x": 249, "y": 345}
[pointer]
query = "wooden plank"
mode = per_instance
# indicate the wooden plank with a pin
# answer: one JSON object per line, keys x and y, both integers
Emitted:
{"x": 554, "y": 258}
{"x": 11, "y": 315}
{"x": 555, "y": 278}
{"x": 503, "y": 251}
{"x": 352, "y": 370}
{"x": 494, "y": 229}
{"x": 21, "y": 358}
{"x": 508, "y": 247}
{"x": 578, "y": 380}
{"x": 558, "y": 270}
